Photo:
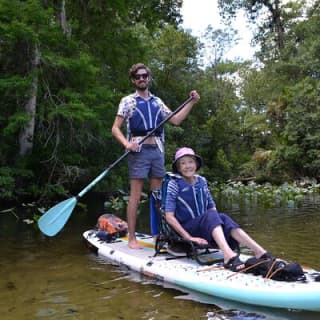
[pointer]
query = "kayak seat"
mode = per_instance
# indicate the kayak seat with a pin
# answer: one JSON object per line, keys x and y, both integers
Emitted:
{"x": 169, "y": 241}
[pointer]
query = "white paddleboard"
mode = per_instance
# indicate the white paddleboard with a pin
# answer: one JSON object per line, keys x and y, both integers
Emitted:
{"x": 211, "y": 280}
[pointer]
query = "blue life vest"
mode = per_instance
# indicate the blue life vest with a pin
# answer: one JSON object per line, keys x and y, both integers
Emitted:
{"x": 192, "y": 199}
{"x": 146, "y": 116}
{"x": 196, "y": 195}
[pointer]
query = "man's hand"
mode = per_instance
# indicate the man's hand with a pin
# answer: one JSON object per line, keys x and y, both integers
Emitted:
{"x": 133, "y": 146}
{"x": 195, "y": 96}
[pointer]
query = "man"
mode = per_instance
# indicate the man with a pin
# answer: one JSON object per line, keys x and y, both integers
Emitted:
{"x": 142, "y": 112}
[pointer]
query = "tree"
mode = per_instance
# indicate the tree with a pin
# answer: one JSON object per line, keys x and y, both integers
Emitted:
{"x": 283, "y": 94}
{"x": 63, "y": 69}
{"x": 271, "y": 17}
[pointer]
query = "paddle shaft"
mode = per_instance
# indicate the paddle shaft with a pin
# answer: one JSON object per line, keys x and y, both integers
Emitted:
{"x": 105, "y": 172}
{"x": 55, "y": 218}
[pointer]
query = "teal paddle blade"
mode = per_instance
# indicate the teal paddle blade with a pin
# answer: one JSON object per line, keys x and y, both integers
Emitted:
{"x": 55, "y": 218}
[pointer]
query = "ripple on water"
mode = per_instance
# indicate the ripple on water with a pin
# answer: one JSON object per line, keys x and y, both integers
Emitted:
{"x": 56, "y": 278}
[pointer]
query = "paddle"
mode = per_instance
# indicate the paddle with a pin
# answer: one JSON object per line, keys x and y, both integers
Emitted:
{"x": 51, "y": 222}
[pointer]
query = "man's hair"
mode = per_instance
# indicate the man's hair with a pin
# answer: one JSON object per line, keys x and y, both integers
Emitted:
{"x": 134, "y": 69}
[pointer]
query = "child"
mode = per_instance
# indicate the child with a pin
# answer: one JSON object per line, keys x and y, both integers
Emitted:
{"x": 191, "y": 211}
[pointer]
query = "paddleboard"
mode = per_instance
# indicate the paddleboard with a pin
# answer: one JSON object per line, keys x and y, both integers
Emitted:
{"x": 212, "y": 280}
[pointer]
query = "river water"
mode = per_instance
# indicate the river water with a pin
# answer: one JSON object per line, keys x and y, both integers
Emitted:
{"x": 58, "y": 278}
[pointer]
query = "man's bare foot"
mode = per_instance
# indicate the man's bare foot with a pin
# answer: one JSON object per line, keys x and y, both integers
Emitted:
{"x": 133, "y": 244}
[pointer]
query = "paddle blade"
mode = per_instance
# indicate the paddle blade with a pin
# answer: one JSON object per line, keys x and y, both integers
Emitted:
{"x": 55, "y": 218}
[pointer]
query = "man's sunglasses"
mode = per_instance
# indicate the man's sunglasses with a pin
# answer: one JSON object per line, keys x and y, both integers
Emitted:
{"x": 139, "y": 76}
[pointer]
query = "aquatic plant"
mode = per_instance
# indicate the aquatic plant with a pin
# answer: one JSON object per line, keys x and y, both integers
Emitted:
{"x": 119, "y": 202}
{"x": 287, "y": 195}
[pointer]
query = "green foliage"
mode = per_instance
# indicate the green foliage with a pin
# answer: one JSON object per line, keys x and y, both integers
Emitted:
{"x": 10, "y": 183}
{"x": 267, "y": 195}
{"x": 15, "y": 122}
{"x": 6, "y": 183}
{"x": 172, "y": 60}
{"x": 119, "y": 203}
{"x": 281, "y": 99}
{"x": 244, "y": 114}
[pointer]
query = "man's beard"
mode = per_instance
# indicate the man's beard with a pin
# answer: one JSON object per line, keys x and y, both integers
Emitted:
{"x": 142, "y": 88}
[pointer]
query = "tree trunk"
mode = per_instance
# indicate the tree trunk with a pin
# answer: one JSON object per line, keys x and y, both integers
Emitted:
{"x": 63, "y": 20}
{"x": 274, "y": 8}
{"x": 27, "y": 132}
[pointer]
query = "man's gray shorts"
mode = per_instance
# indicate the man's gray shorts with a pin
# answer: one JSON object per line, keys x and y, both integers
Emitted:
{"x": 148, "y": 163}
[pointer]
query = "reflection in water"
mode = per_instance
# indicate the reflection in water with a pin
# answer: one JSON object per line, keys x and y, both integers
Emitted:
{"x": 287, "y": 232}
{"x": 57, "y": 278}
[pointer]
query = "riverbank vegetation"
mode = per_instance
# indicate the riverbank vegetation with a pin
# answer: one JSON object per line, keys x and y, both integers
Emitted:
{"x": 64, "y": 67}
{"x": 290, "y": 195}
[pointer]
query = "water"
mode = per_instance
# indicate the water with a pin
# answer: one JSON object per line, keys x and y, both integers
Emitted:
{"x": 58, "y": 278}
